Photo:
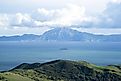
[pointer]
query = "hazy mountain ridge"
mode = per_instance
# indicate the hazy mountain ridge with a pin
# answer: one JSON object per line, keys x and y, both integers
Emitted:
{"x": 64, "y": 34}
{"x": 19, "y": 38}
{"x": 65, "y": 70}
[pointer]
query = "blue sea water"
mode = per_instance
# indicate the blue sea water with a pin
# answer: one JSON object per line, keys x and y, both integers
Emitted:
{"x": 100, "y": 53}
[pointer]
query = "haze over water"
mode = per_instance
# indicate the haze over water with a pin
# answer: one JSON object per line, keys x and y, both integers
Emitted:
{"x": 15, "y": 53}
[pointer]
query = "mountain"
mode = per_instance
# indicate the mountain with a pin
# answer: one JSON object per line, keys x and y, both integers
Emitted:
{"x": 25, "y": 37}
{"x": 64, "y": 34}
{"x": 64, "y": 70}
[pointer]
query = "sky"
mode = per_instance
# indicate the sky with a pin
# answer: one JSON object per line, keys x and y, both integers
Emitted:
{"x": 19, "y": 17}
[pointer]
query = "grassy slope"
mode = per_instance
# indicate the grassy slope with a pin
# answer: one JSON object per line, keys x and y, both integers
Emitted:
{"x": 61, "y": 69}
{"x": 14, "y": 77}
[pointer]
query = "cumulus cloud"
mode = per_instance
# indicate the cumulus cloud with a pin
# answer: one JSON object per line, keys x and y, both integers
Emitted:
{"x": 111, "y": 17}
{"x": 71, "y": 15}
{"x": 20, "y": 19}
{"x": 3, "y": 20}
{"x": 68, "y": 16}
{"x": 43, "y": 15}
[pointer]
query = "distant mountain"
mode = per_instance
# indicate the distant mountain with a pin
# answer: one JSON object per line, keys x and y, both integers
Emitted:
{"x": 25, "y": 37}
{"x": 64, "y": 34}
{"x": 63, "y": 70}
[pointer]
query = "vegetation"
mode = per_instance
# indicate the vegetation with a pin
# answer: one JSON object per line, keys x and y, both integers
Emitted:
{"x": 9, "y": 76}
{"x": 62, "y": 70}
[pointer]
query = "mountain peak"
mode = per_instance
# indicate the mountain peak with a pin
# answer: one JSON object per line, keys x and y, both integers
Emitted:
{"x": 62, "y": 34}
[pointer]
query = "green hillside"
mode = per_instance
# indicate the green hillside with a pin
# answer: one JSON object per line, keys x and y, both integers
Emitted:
{"x": 9, "y": 76}
{"x": 62, "y": 70}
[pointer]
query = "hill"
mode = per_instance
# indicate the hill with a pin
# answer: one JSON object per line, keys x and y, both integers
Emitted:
{"x": 65, "y": 70}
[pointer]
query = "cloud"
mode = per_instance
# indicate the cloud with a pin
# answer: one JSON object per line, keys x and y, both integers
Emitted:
{"x": 68, "y": 16}
{"x": 3, "y": 20}
{"x": 111, "y": 17}
{"x": 71, "y": 15}
{"x": 116, "y": 1}
{"x": 20, "y": 19}
{"x": 43, "y": 15}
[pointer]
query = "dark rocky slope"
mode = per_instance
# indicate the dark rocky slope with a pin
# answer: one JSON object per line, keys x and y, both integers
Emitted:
{"x": 64, "y": 70}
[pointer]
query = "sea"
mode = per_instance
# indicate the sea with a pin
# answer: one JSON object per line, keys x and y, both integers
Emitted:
{"x": 99, "y": 53}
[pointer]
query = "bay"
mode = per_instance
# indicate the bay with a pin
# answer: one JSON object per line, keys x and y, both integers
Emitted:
{"x": 100, "y": 53}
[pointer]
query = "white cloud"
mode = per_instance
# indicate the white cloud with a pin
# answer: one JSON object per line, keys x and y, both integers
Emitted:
{"x": 116, "y": 1}
{"x": 111, "y": 17}
{"x": 60, "y": 14}
{"x": 68, "y": 16}
{"x": 42, "y": 15}
{"x": 71, "y": 15}
{"x": 3, "y": 20}
{"x": 20, "y": 19}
